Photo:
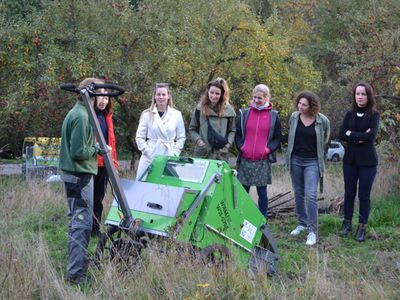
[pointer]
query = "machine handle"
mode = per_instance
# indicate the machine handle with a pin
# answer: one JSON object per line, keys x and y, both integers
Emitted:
{"x": 154, "y": 205}
{"x": 186, "y": 159}
{"x": 116, "y": 90}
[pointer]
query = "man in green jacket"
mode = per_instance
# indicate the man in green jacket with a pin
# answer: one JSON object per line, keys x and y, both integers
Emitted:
{"x": 78, "y": 163}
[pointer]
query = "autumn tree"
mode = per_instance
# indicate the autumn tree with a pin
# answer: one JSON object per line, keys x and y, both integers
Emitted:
{"x": 135, "y": 44}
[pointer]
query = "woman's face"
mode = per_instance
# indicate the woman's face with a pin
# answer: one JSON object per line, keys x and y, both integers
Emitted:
{"x": 303, "y": 106}
{"x": 102, "y": 101}
{"x": 161, "y": 96}
{"x": 361, "y": 96}
{"x": 214, "y": 94}
{"x": 259, "y": 98}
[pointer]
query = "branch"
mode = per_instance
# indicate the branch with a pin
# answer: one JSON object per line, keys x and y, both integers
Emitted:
{"x": 389, "y": 97}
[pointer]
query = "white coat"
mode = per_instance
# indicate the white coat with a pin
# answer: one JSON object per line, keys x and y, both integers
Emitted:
{"x": 164, "y": 135}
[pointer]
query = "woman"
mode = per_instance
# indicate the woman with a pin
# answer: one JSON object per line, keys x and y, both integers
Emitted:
{"x": 102, "y": 105}
{"x": 161, "y": 129}
{"x": 213, "y": 114}
{"x": 359, "y": 130}
{"x": 258, "y": 136}
{"x": 309, "y": 131}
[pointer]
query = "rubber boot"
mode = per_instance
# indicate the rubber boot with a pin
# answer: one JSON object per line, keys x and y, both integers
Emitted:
{"x": 360, "y": 233}
{"x": 346, "y": 228}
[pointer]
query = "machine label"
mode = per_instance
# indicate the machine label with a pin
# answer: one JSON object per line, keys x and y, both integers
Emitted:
{"x": 223, "y": 213}
{"x": 248, "y": 231}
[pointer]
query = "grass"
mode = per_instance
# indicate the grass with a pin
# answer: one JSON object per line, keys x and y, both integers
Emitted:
{"x": 33, "y": 254}
{"x": 11, "y": 161}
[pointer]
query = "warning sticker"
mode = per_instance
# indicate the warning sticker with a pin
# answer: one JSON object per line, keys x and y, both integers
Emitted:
{"x": 248, "y": 231}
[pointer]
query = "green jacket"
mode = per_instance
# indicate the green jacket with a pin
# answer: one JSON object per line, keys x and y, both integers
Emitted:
{"x": 224, "y": 125}
{"x": 322, "y": 129}
{"x": 77, "y": 152}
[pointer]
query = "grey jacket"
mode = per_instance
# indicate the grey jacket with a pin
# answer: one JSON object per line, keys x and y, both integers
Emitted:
{"x": 322, "y": 129}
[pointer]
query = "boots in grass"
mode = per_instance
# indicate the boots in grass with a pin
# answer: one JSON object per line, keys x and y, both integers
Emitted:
{"x": 360, "y": 233}
{"x": 346, "y": 228}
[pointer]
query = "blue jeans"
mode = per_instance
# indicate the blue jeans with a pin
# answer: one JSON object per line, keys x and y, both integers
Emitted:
{"x": 262, "y": 198}
{"x": 305, "y": 176}
{"x": 365, "y": 177}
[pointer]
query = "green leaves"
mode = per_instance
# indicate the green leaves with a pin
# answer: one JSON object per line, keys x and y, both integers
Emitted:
{"x": 185, "y": 43}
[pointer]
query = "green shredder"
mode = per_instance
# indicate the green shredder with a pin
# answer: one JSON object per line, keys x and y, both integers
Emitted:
{"x": 201, "y": 202}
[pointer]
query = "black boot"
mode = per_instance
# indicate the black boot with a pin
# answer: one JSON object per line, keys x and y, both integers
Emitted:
{"x": 346, "y": 228}
{"x": 360, "y": 233}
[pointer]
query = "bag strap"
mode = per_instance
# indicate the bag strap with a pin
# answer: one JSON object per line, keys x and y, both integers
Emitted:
{"x": 228, "y": 125}
{"x": 197, "y": 115}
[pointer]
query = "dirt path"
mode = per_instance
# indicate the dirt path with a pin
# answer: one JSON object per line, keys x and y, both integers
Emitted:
{"x": 16, "y": 169}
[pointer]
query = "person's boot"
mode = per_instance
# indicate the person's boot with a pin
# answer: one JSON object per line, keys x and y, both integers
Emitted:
{"x": 360, "y": 233}
{"x": 346, "y": 228}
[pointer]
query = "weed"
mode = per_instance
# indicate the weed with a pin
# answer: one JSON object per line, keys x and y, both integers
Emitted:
{"x": 34, "y": 248}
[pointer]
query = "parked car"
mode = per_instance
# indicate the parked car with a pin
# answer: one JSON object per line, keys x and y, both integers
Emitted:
{"x": 335, "y": 151}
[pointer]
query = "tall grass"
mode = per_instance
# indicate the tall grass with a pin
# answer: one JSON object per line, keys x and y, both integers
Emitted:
{"x": 33, "y": 254}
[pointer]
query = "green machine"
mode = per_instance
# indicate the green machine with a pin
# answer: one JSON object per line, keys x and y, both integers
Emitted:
{"x": 197, "y": 202}
{"x": 200, "y": 202}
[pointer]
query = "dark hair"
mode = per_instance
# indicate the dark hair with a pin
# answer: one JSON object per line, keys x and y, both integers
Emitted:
{"x": 313, "y": 101}
{"x": 371, "y": 104}
{"x": 223, "y": 100}
{"x": 107, "y": 110}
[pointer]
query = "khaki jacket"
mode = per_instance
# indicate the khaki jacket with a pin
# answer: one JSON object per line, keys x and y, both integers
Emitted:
{"x": 322, "y": 129}
{"x": 224, "y": 125}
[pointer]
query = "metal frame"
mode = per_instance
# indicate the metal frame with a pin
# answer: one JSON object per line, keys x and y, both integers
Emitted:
{"x": 108, "y": 163}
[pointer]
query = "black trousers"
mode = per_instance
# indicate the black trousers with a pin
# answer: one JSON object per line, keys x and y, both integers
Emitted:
{"x": 363, "y": 177}
{"x": 100, "y": 186}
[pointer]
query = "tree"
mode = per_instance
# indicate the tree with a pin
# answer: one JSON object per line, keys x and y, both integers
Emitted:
{"x": 135, "y": 44}
{"x": 348, "y": 41}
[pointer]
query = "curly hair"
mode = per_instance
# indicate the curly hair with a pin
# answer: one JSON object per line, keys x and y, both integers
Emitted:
{"x": 313, "y": 101}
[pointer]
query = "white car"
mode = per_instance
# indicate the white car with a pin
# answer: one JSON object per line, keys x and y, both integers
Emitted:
{"x": 335, "y": 151}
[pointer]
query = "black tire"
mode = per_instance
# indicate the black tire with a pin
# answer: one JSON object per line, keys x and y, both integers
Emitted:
{"x": 335, "y": 157}
{"x": 215, "y": 255}
{"x": 104, "y": 238}
{"x": 122, "y": 250}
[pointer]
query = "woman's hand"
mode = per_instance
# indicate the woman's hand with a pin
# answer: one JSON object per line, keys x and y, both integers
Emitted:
{"x": 225, "y": 149}
{"x": 348, "y": 132}
{"x": 200, "y": 143}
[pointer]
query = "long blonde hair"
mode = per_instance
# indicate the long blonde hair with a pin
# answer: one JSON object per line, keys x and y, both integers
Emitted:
{"x": 223, "y": 100}
{"x": 153, "y": 99}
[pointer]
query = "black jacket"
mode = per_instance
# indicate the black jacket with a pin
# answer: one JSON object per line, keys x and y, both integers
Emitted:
{"x": 360, "y": 149}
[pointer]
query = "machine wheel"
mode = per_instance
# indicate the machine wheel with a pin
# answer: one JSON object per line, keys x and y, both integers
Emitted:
{"x": 103, "y": 239}
{"x": 123, "y": 250}
{"x": 335, "y": 158}
{"x": 215, "y": 255}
